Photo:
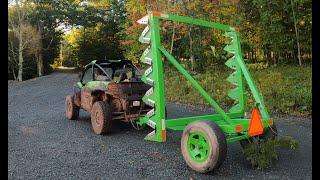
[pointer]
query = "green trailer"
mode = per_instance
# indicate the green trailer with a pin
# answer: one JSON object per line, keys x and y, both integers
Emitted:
{"x": 204, "y": 139}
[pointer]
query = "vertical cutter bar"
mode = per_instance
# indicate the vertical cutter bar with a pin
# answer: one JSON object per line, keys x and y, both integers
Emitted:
{"x": 158, "y": 83}
{"x": 256, "y": 94}
{"x": 239, "y": 75}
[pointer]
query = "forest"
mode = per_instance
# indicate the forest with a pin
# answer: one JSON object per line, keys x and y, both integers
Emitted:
{"x": 275, "y": 35}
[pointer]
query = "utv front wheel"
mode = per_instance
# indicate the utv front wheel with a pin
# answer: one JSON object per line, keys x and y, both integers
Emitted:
{"x": 101, "y": 117}
{"x": 72, "y": 110}
{"x": 203, "y": 146}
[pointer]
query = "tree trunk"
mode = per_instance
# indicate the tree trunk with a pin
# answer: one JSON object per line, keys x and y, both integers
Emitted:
{"x": 268, "y": 56}
{"x": 61, "y": 55}
{"x": 20, "y": 64}
{"x": 192, "y": 59}
{"x": 12, "y": 69}
{"x": 40, "y": 64}
{"x": 173, "y": 31}
{"x": 14, "y": 74}
{"x": 40, "y": 55}
{"x": 294, "y": 57}
{"x": 172, "y": 38}
{"x": 297, "y": 34}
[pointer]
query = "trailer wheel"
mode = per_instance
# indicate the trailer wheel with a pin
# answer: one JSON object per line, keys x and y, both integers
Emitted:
{"x": 269, "y": 134}
{"x": 71, "y": 109}
{"x": 101, "y": 117}
{"x": 203, "y": 146}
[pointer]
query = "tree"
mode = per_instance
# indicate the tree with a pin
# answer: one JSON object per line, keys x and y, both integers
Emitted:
{"x": 35, "y": 48}
{"x": 296, "y": 30}
{"x": 12, "y": 56}
{"x": 22, "y": 30}
{"x": 100, "y": 40}
{"x": 274, "y": 27}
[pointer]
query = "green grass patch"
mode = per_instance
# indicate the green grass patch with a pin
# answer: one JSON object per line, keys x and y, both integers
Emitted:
{"x": 285, "y": 89}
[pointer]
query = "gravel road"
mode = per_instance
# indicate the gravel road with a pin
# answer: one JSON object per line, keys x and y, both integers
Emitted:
{"x": 43, "y": 144}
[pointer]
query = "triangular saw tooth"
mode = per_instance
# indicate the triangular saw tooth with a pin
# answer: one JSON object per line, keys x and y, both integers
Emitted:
{"x": 144, "y": 20}
{"x": 150, "y": 113}
{"x": 148, "y": 71}
{"x": 234, "y": 93}
{"x": 151, "y": 136}
{"x": 146, "y": 51}
{"x": 233, "y": 78}
{"x": 145, "y": 35}
{"x": 232, "y": 63}
{"x": 236, "y": 108}
{"x": 144, "y": 79}
{"x": 150, "y": 102}
{"x": 145, "y": 31}
{"x": 230, "y": 48}
{"x": 149, "y": 92}
{"x": 146, "y": 55}
{"x": 149, "y": 81}
{"x": 229, "y": 34}
{"x": 151, "y": 124}
{"x": 148, "y": 60}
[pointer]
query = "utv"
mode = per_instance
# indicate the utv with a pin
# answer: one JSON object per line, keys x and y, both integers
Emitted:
{"x": 109, "y": 90}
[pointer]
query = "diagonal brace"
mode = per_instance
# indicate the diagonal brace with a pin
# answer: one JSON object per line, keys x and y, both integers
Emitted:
{"x": 196, "y": 85}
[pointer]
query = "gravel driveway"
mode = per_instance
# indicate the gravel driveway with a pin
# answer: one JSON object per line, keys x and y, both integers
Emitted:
{"x": 42, "y": 144}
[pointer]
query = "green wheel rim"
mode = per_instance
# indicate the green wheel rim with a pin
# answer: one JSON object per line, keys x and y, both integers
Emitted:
{"x": 198, "y": 146}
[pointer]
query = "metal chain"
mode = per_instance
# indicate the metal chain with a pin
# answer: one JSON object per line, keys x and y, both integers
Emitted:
{"x": 132, "y": 123}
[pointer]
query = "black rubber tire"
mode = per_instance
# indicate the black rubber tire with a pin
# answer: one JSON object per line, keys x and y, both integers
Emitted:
{"x": 71, "y": 109}
{"x": 101, "y": 117}
{"x": 217, "y": 142}
{"x": 268, "y": 134}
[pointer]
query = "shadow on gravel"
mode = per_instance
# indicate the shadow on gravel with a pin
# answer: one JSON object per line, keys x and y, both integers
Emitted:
{"x": 117, "y": 126}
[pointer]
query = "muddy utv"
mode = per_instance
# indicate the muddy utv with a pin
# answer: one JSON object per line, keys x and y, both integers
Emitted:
{"x": 110, "y": 90}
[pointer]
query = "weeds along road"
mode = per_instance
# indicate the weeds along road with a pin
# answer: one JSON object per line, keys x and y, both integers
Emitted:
{"x": 43, "y": 144}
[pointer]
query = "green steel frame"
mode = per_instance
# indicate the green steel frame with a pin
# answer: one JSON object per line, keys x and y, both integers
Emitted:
{"x": 232, "y": 123}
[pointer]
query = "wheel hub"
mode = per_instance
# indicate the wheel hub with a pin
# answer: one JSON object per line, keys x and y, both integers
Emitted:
{"x": 98, "y": 118}
{"x": 69, "y": 107}
{"x": 198, "y": 146}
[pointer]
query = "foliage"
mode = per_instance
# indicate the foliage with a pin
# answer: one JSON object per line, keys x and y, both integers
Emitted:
{"x": 89, "y": 44}
{"x": 39, "y": 21}
{"x": 261, "y": 154}
{"x": 101, "y": 41}
{"x": 108, "y": 29}
{"x": 285, "y": 89}
{"x": 268, "y": 30}
{"x": 258, "y": 66}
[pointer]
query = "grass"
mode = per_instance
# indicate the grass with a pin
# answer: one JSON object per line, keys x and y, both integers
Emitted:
{"x": 285, "y": 89}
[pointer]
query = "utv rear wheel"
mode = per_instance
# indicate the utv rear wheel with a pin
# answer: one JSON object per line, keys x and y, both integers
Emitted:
{"x": 101, "y": 117}
{"x": 71, "y": 109}
{"x": 203, "y": 146}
